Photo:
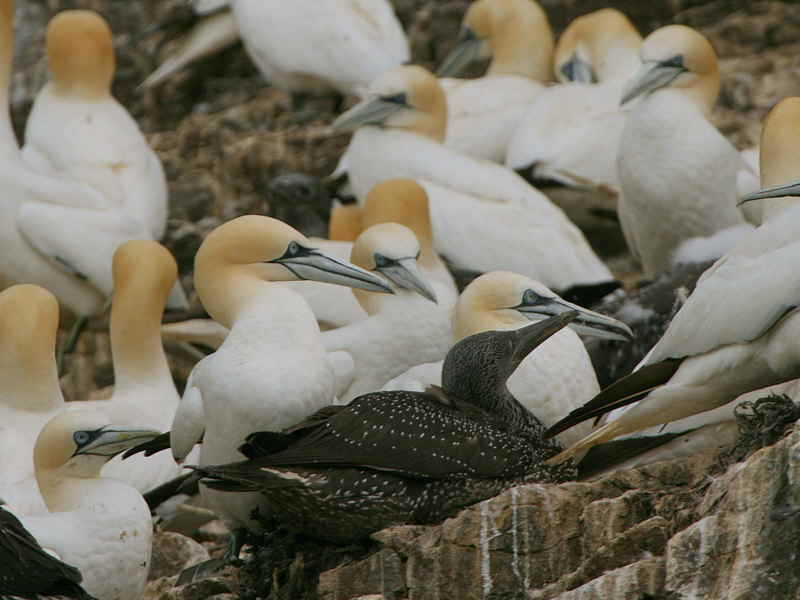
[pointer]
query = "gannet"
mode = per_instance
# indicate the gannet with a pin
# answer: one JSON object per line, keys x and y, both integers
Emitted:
{"x": 723, "y": 343}
{"x": 100, "y": 526}
{"x": 678, "y": 174}
{"x": 391, "y": 458}
{"x": 77, "y": 129}
{"x": 272, "y": 369}
{"x": 402, "y": 330}
{"x": 29, "y": 390}
{"x": 345, "y": 223}
{"x": 550, "y": 383}
{"x": 313, "y": 46}
{"x": 570, "y": 133}
{"x": 483, "y": 113}
{"x": 144, "y": 393}
{"x": 214, "y": 30}
{"x": 485, "y": 217}
{"x": 19, "y": 551}
{"x": 54, "y": 231}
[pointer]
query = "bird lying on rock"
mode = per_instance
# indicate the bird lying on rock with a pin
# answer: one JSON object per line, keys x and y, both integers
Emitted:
{"x": 403, "y": 457}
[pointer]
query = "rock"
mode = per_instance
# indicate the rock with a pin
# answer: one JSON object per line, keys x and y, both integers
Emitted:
{"x": 173, "y": 552}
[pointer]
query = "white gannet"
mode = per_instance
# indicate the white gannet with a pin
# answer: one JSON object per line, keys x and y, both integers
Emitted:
{"x": 402, "y": 330}
{"x": 570, "y": 133}
{"x": 313, "y": 46}
{"x": 724, "y": 341}
{"x": 54, "y": 231}
{"x": 100, "y": 526}
{"x": 485, "y": 217}
{"x": 214, "y": 30}
{"x": 678, "y": 174}
{"x": 560, "y": 376}
{"x": 483, "y": 113}
{"x": 29, "y": 390}
{"x": 272, "y": 370}
{"x": 77, "y": 129}
{"x": 399, "y": 201}
{"x": 144, "y": 392}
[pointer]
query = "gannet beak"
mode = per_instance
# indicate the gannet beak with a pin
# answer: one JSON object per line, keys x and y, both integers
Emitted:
{"x": 528, "y": 338}
{"x": 586, "y": 322}
{"x": 405, "y": 273}
{"x": 789, "y": 189}
{"x": 651, "y": 76}
{"x": 467, "y": 50}
{"x": 372, "y": 111}
{"x": 312, "y": 265}
{"x": 578, "y": 70}
{"x": 109, "y": 442}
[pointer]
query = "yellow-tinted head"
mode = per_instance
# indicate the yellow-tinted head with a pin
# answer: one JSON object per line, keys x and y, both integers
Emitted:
{"x": 780, "y": 144}
{"x": 345, "y": 223}
{"x": 28, "y": 329}
{"x": 146, "y": 266}
{"x": 407, "y": 97}
{"x": 679, "y": 57}
{"x": 593, "y": 45}
{"x": 80, "y": 53}
{"x": 402, "y": 201}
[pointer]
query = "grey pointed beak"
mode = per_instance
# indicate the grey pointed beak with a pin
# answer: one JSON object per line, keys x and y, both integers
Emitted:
{"x": 586, "y": 322}
{"x": 467, "y": 50}
{"x": 312, "y": 265}
{"x": 778, "y": 191}
{"x": 110, "y": 441}
{"x": 578, "y": 70}
{"x": 650, "y": 76}
{"x": 372, "y": 111}
{"x": 530, "y": 337}
{"x": 405, "y": 273}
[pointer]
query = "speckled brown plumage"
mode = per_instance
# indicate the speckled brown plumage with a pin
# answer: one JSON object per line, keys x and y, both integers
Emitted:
{"x": 404, "y": 457}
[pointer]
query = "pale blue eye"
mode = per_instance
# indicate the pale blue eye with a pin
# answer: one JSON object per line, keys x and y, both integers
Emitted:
{"x": 81, "y": 437}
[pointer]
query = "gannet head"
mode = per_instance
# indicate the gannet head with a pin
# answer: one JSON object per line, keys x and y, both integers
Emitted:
{"x": 345, "y": 223}
{"x": 402, "y": 201}
{"x": 501, "y": 300}
{"x": 28, "y": 329}
{"x": 146, "y": 270}
{"x": 78, "y": 442}
{"x": 780, "y": 166}
{"x": 679, "y": 57}
{"x": 514, "y": 33}
{"x": 478, "y": 366}
{"x": 392, "y": 250}
{"x": 586, "y": 50}
{"x": 407, "y": 97}
{"x": 80, "y": 54}
{"x": 266, "y": 249}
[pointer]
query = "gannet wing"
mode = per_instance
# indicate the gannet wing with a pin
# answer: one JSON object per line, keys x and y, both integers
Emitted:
{"x": 344, "y": 370}
{"x": 28, "y": 569}
{"x": 81, "y": 242}
{"x": 189, "y": 423}
{"x": 741, "y": 296}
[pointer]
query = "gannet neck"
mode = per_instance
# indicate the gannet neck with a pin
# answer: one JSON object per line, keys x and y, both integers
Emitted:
{"x": 403, "y": 201}
{"x": 226, "y": 289}
{"x": 144, "y": 273}
{"x": 80, "y": 54}
{"x": 8, "y": 140}
{"x": 428, "y": 98}
{"x": 520, "y": 39}
{"x": 28, "y": 328}
{"x": 345, "y": 223}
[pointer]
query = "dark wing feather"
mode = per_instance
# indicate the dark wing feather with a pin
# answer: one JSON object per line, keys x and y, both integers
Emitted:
{"x": 167, "y": 490}
{"x": 622, "y": 392}
{"x": 604, "y": 456}
{"x": 150, "y": 447}
{"x": 409, "y": 433}
{"x": 27, "y": 571}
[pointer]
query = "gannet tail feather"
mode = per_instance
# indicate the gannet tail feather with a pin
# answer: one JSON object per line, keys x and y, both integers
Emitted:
{"x": 624, "y": 391}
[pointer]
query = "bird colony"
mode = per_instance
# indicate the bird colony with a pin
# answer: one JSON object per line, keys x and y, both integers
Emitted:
{"x": 348, "y": 384}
